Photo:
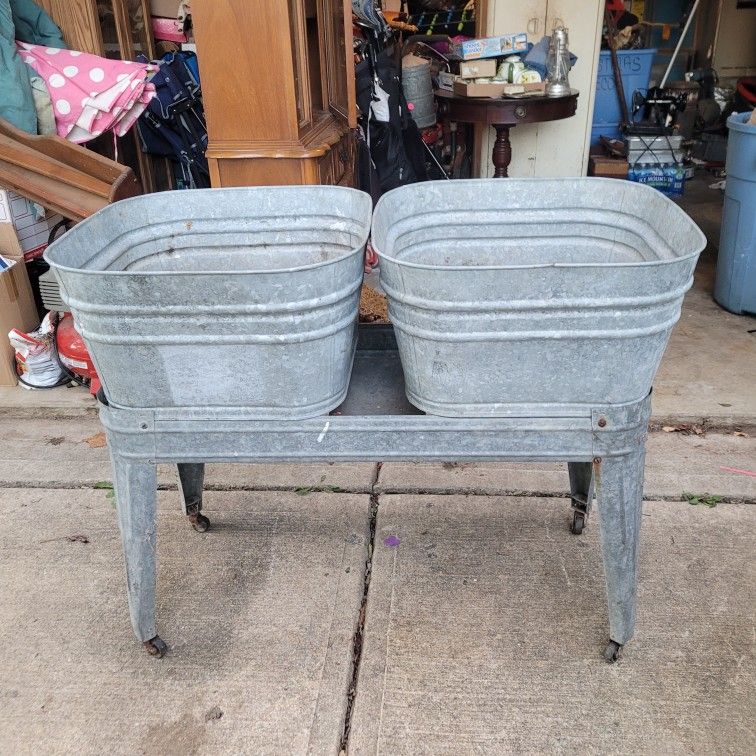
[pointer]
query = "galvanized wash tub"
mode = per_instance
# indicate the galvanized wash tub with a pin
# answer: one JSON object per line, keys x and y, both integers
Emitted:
{"x": 243, "y": 298}
{"x": 521, "y": 295}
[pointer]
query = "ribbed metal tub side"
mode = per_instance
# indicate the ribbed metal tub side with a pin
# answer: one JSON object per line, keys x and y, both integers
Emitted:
{"x": 235, "y": 297}
{"x": 531, "y": 292}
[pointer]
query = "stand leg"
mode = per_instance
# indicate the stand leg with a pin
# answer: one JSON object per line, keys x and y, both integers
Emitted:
{"x": 136, "y": 496}
{"x": 502, "y": 152}
{"x": 191, "y": 480}
{"x": 581, "y": 492}
{"x": 620, "y": 498}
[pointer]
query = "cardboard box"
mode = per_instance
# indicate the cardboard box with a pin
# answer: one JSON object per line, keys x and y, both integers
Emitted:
{"x": 9, "y": 243}
{"x": 26, "y": 229}
{"x": 471, "y": 89}
{"x": 17, "y": 310}
{"x": 607, "y": 167}
{"x": 491, "y": 47}
{"x": 477, "y": 69}
{"x": 164, "y": 8}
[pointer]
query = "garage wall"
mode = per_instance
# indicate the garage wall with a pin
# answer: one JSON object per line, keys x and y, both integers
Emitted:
{"x": 735, "y": 46}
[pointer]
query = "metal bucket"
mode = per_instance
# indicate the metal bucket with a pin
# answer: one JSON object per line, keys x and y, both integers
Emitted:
{"x": 525, "y": 295}
{"x": 418, "y": 90}
{"x": 243, "y": 298}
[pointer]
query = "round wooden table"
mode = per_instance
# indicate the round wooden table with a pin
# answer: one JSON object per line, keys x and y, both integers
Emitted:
{"x": 503, "y": 114}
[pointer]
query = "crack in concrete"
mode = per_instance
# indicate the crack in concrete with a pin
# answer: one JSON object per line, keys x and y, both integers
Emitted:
{"x": 360, "y": 489}
{"x": 534, "y": 494}
{"x": 359, "y": 632}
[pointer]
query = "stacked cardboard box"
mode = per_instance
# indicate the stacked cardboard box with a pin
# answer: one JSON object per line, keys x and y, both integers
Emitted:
{"x": 17, "y": 308}
{"x": 600, "y": 164}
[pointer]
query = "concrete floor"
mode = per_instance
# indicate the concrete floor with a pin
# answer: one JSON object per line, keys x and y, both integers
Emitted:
{"x": 707, "y": 374}
{"x": 483, "y": 627}
{"x": 481, "y": 630}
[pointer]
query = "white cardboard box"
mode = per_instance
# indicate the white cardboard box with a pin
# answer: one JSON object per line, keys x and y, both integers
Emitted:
{"x": 477, "y": 69}
{"x": 32, "y": 232}
{"x": 491, "y": 47}
{"x": 164, "y": 8}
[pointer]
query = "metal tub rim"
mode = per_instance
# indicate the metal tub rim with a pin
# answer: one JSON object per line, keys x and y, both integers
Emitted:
{"x": 588, "y": 180}
{"x": 362, "y": 231}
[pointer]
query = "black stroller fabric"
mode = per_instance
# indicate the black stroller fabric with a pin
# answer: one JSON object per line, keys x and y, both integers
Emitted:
{"x": 396, "y": 150}
{"x": 173, "y": 125}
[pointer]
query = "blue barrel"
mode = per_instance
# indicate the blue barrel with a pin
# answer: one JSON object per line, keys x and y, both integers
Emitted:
{"x": 735, "y": 286}
{"x": 635, "y": 67}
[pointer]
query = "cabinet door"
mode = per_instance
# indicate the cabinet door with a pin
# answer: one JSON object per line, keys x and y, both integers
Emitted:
{"x": 556, "y": 148}
{"x": 338, "y": 60}
{"x": 563, "y": 146}
{"x": 508, "y": 17}
{"x": 303, "y": 97}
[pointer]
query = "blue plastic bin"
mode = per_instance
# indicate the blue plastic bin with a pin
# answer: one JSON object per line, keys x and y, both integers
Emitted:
{"x": 735, "y": 286}
{"x": 635, "y": 66}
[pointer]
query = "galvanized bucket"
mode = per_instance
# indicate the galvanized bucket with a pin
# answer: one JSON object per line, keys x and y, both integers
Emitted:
{"x": 524, "y": 295}
{"x": 243, "y": 298}
{"x": 418, "y": 90}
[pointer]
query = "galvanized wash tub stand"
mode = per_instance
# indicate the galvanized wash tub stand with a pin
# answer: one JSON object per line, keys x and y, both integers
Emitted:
{"x": 604, "y": 446}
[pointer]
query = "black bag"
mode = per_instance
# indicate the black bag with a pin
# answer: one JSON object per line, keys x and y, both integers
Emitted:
{"x": 396, "y": 149}
{"x": 173, "y": 125}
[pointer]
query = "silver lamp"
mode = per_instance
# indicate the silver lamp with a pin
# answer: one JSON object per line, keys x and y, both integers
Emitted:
{"x": 558, "y": 64}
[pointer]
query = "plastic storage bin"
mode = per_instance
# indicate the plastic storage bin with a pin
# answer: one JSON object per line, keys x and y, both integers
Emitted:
{"x": 244, "y": 298}
{"x": 735, "y": 286}
{"x": 635, "y": 66}
{"x": 531, "y": 295}
{"x": 661, "y": 150}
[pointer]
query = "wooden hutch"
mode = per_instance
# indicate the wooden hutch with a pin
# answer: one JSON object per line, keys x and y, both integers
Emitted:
{"x": 278, "y": 89}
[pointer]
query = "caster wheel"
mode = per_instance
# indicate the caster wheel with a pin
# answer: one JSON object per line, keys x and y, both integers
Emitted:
{"x": 612, "y": 652}
{"x": 156, "y": 647}
{"x": 578, "y": 523}
{"x": 199, "y": 522}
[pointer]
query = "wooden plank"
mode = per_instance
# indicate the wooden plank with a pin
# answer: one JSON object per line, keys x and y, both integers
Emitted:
{"x": 60, "y": 175}
{"x": 79, "y": 22}
{"x": 66, "y": 152}
{"x": 71, "y": 202}
{"x": 35, "y": 162}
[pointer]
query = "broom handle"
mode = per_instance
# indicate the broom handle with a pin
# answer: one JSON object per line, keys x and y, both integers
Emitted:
{"x": 679, "y": 43}
{"x": 611, "y": 38}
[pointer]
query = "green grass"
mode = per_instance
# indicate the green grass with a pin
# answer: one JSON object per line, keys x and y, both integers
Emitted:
{"x": 705, "y": 499}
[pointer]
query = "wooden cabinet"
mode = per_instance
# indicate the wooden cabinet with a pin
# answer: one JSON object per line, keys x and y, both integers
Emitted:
{"x": 278, "y": 89}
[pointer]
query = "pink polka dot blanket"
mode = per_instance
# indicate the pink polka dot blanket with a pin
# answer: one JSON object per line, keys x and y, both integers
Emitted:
{"x": 90, "y": 94}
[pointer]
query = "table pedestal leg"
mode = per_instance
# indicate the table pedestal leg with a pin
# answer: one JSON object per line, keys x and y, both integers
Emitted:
{"x": 502, "y": 152}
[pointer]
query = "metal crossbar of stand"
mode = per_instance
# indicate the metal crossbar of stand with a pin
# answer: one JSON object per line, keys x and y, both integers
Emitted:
{"x": 604, "y": 446}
